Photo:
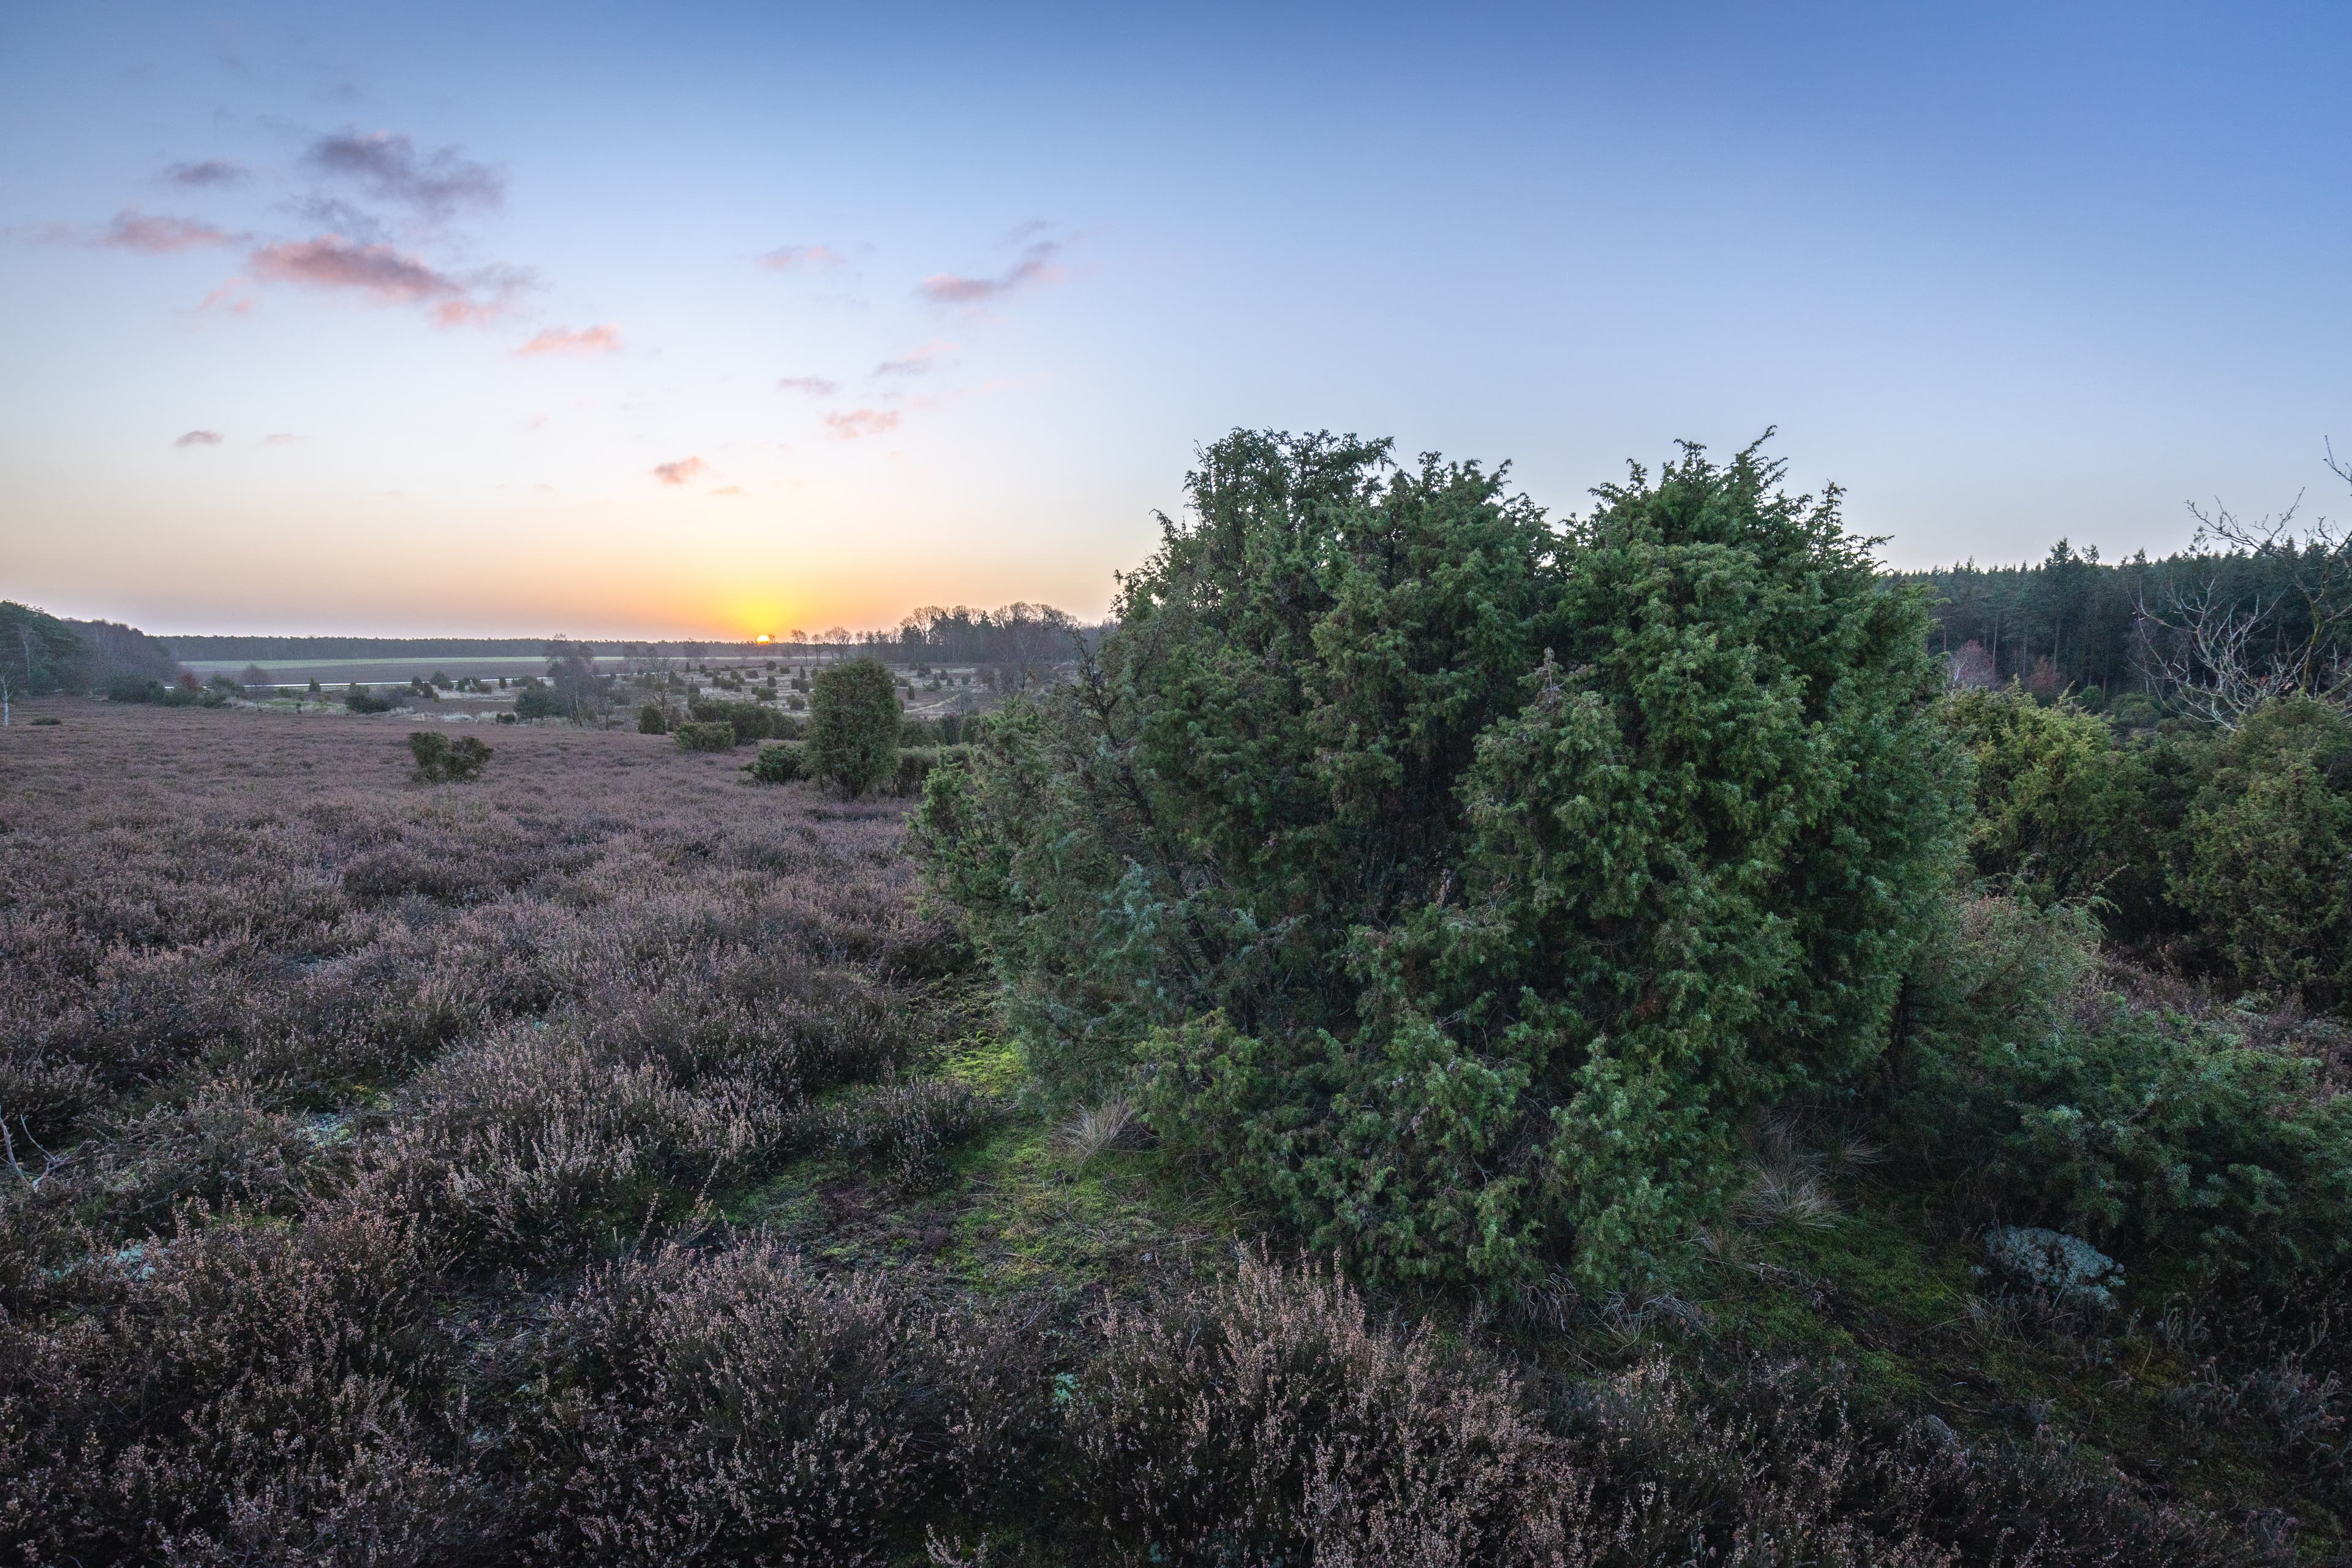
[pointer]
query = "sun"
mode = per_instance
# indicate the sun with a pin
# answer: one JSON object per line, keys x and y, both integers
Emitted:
{"x": 763, "y": 637}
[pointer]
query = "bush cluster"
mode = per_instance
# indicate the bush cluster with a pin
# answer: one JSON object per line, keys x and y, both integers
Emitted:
{"x": 2228, "y": 850}
{"x": 714, "y": 736}
{"x": 750, "y": 720}
{"x": 1462, "y": 878}
{"x": 2054, "y": 1099}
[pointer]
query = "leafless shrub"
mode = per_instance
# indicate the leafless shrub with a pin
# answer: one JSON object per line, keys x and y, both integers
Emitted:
{"x": 2221, "y": 657}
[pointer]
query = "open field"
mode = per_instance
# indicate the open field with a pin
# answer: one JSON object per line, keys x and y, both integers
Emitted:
{"x": 614, "y": 1161}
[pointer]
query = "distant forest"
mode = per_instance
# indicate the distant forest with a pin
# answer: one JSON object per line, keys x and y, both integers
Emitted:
{"x": 2072, "y": 620}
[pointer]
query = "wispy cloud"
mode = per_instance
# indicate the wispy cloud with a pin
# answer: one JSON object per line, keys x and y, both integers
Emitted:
{"x": 336, "y": 215}
{"x": 389, "y": 277}
{"x": 680, "y": 472}
{"x": 800, "y": 259}
{"x": 814, "y": 386}
{"x": 281, "y": 439}
{"x": 918, "y": 362}
{"x": 151, "y": 234}
{"x": 234, "y": 298}
{"x": 1035, "y": 266}
{"x": 860, "y": 422}
{"x": 158, "y": 235}
{"x": 199, "y": 438}
{"x": 388, "y": 167}
{"x": 599, "y": 340}
{"x": 203, "y": 175}
{"x": 728, "y": 490}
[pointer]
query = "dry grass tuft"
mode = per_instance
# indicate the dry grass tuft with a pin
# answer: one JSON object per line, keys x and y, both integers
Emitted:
{"x": 1096, "y": 1129}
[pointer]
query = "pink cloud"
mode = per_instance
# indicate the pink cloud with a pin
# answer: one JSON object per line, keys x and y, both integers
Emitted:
{"x": 134, "y": 230}
{"x": 728, "y": 490}
{"x": 379, "y": 271}
{"x": 388, "y": 277}
{"x": 679, "y": 472}
{"x": 800, "y": 259}
{"x": 918, "y": 361}
{"x": 199, "y": 438}
{"x": 234, "y": 298}
{"x": 814, "y": 386}
{"x": 602, "y": 339}
{"x": 1035, "y": 266}
{"x": 150, "y": 235}
{"x": 859, "y": 422}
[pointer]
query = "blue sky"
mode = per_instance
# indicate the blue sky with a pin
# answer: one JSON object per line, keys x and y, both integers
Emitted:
{"x": 833, "y": 312}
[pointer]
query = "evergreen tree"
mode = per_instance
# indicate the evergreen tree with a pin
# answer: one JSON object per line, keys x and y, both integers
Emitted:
{"x": 1459, "y": 881}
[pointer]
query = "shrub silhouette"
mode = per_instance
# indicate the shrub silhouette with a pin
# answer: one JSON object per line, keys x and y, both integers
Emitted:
{"x": 853, "y": 731}
{"x": 440, "y": 760}
{"x": 1461, "y": 879}
{"x": 651, "y": 719}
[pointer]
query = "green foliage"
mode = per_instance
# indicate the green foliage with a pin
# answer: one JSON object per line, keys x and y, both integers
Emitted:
{"x": 750, "y": 720}
{"x": 2269, "y": 867}
{"x": 778, "y": 762}
{"x": 359, "y": 699}
{"x": 536, "y": 700}
{"x": 440, "y": 760}
{"x": 915, "y": 766}
{"x": 704, "y": 737}
{"x": 39, "y": 652}
{"x": 2055, "y": 798}
{"x": 2151, "y": 1133}
{"x": 651, "y": 721}
{"x": 852, "y": 734}
{"x": 1460, "y": 880}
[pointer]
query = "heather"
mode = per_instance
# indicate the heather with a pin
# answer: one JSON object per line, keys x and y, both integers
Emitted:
{"x": 616, "y": 1156}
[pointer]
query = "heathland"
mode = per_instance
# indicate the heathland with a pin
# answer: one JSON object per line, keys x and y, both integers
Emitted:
{"x": 1441, "y": 1036}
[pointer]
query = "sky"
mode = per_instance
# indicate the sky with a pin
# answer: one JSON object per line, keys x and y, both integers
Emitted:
{"x": 713, "y": 320}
